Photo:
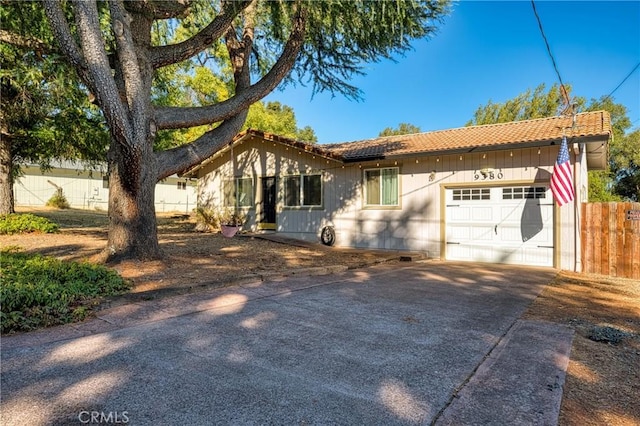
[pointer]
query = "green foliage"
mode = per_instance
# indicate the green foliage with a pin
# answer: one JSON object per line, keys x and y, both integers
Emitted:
{"x": 273, "y": 117}
{"x": 622, "y": 180}
{"x": 402, "y": 129}
{"x": 58, "y": 200}
{"x": 46, "y": 112}
{"x": 343, "y": 36}
{"x": 624, "y": 153}
{"x": 15, "y": 223}
{"x": 525, "y": 106}
{"x": 600, "y": 187}
{"x": 40, "y": 291}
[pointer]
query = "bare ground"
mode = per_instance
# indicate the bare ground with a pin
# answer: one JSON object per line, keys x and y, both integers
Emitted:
{"x": 603, "y": 378}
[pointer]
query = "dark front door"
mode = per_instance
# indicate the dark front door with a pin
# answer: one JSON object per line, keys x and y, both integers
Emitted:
{"x": 268, "y": 204}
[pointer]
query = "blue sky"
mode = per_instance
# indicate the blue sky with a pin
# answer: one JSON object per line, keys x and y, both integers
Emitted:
{"x": 485, "y": 51}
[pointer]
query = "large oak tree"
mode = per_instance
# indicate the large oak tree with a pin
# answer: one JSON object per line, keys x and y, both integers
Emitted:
{"x": 319, "y": 42}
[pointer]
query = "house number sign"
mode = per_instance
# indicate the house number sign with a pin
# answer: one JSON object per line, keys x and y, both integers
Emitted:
{"x": 487, "y": 174}
{"x": 633, "y": 214}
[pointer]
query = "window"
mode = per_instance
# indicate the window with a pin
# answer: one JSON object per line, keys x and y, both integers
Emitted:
{"x": 105, "y": 182}
{"x": 182, "y": 185}
{"x": 524, "y": 192}
{"x": 471, "y": 194}
{"x": 303, "y": 191}
{"x": 381, "y": 187}
{"x": 238, "y": 192}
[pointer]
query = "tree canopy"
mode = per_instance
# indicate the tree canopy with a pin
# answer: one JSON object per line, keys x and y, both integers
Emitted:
{"x": 622, "y": 179}
{"x": 125, "y": 54}
{"x": 402, "y": 129}
{"x": 536, "y": 103}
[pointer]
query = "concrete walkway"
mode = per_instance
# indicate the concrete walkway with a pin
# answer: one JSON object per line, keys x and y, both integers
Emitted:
{"x": 398, "y": 343}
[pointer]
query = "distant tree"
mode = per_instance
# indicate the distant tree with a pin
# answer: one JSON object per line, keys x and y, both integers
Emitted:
{"x": 45, "y": 113}
{"x": 525, "y": 106}
{"x": 622, "y": 178}
{"x": 112, "y": 48}
{"x": 402, "y": 129}
{"x": 273, "y": 117}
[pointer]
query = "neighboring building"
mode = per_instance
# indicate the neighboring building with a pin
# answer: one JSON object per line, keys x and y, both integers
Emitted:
{"x": 88, "y": 188}
{"x": 477, "y": 193}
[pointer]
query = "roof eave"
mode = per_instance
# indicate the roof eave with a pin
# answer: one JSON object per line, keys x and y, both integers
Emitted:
{"x": 591, "y": 140}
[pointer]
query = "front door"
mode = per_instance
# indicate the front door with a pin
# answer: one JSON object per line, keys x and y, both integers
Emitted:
{"x": 267, "y": 218}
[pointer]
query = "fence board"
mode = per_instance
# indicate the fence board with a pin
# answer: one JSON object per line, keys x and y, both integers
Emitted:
{"x": 606, "y": 241}
{"x": 611, "y": 239}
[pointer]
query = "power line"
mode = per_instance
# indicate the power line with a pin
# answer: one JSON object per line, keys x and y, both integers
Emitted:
{"x": 553, "y": 61}
{"x": 622, "y": 82}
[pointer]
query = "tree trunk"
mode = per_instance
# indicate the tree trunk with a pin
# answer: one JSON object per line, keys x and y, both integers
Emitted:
{"x": 133, "y": 231}
{"x": 6, "y": 176}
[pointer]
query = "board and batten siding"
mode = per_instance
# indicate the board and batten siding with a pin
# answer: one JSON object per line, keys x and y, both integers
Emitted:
{"x": 86, "y": 189}
{"x": 417, "y": 224}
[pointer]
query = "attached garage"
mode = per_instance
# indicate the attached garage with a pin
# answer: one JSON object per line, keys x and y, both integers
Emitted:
{"x": 511, "y": 224}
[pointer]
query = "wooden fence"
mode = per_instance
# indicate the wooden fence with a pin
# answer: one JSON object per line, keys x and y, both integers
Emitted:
{"x": 611, "y": 239}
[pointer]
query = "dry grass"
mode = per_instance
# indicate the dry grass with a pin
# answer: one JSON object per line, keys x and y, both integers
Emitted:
{"x": 603, "y": 378}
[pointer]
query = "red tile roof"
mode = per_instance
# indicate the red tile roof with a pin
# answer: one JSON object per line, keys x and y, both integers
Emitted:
{"x": 466, "y": 139}
{"x": 516, "y": 134}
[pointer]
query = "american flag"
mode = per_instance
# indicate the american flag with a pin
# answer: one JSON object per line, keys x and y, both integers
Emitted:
{"x": 562, "y": 179}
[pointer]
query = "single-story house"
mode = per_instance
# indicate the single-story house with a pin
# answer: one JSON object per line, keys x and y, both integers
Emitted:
{"x": 478, "y": 193}
{"x": 86, "y": 186}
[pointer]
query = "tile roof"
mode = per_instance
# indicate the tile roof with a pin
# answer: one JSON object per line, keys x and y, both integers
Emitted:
{"x": 466, "y": 139}
{"x": 515, "y": 134}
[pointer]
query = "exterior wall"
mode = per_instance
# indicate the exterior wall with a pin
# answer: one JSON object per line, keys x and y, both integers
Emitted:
{"x": 417, "y": 224}
{"x": 85, "y": 190}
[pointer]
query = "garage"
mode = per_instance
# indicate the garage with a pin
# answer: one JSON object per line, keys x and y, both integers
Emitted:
{"x": 507, "y": 224}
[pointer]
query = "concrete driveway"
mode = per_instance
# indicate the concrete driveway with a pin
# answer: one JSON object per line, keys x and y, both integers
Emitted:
{"x": 399, "y": 343}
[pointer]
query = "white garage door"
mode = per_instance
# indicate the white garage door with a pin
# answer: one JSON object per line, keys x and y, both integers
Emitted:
{"x": 500, "y": 225}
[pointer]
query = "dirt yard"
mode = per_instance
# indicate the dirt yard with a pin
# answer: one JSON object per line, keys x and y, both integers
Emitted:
{"x": 603, "y": 380}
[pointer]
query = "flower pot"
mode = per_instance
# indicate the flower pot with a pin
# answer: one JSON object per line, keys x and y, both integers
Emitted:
{"x": 229, "y": 230}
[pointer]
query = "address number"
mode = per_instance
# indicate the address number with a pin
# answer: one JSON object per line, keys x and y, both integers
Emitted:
{"x": 480, "y": 175}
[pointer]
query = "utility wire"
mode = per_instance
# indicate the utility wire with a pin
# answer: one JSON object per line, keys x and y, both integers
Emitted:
{"x": 622, "y": 82}
{"x": 553, "y": 61}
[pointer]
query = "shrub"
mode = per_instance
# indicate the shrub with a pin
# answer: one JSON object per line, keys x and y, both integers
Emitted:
{"x": 207, "y": 219}
{"x": 58, "y": 200}
{"x": 39, "y": 291}
{"x": 15, "y": 223}
{"x": 210, "y": 219}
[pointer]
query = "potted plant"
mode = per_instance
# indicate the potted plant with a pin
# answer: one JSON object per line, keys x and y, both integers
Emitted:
{"x": 231, "y": 222}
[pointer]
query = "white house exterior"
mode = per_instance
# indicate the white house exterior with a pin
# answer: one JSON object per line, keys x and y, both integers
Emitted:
{"x": 477, "y": 193}
{"x": 87, "y": 188}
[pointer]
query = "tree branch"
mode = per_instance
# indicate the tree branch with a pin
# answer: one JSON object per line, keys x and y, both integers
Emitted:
{"x": 181, "y": 158}
{"x": 66, "y": 42}
{"x": 178, "y": 159}
{"x": 161, "y": 9}
{"x": 107, "y": 95}
{"x": 181, "y": 117}
{"x": 26, "y": 42}
{"x": 129, "y": 66}
{"x": 166, "y": 55}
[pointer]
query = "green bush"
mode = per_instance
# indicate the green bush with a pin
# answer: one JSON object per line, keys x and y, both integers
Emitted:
{"x": 16, "y": 223}
{"x": 58, "y": 200}
{"x": 40, "y": 291}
